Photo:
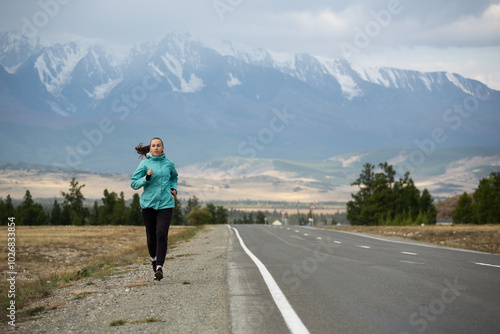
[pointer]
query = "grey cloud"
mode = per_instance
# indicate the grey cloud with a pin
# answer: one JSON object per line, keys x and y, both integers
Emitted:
{"x": 263, "y": 23}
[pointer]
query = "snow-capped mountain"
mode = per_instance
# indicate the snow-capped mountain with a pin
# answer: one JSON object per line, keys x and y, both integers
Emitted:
{"x": 81, "y": 102}
{"x": 16, "y": 50}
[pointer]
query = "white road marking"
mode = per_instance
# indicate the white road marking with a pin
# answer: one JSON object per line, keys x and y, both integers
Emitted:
{"x": 409, "y": 253}
{"x": 291, "y": 318}
{"x": 366, "y": 247}
{"x": 319, "y": 238}
{"x": 408, "y": 242}
{"x": 411, "y": 262}
{"x": 337, "y": 242}
{"x": 306, "y": 234}
{"x": 487, "y": 264}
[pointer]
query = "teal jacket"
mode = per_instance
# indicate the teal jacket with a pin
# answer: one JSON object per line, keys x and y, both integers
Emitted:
{"x": 157, "y": 191}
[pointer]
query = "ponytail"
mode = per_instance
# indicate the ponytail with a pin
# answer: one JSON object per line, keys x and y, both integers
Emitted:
{"x": 142, "y": 150}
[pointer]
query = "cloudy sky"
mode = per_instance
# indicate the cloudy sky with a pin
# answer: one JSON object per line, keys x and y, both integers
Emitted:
{"x": 461, "y": 36}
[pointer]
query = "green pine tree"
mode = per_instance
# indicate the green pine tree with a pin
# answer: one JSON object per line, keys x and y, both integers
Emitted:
{"x": 463, "y": 213}
{"x": 56, "y": 214}
{"x": 486, "y": 205}
{"x": 134, "y": 212}
{"x": 107, "y": 208}
{"x": 94, "y": 214}
{"x": 260, "y": 218}
{"x": 30, "y": 213}
{"x": 427, "y": 207}
{"x": 74, "y": 203}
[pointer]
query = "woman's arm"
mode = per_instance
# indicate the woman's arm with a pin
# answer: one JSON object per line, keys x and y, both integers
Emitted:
{"x": 138, "y": 180}
{"x": 173, "y": 179}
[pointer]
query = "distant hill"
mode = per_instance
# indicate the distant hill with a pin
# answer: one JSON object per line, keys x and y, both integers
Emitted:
{"x": 25, "y": 166}
{"x": 448, "y": 173}
{"x": 446, "y": 207}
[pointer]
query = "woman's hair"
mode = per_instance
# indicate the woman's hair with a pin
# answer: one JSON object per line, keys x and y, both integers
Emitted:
{"x": 143, "y": 150}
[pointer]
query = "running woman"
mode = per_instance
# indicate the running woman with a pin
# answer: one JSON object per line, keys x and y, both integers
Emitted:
{"x": 158, "y": 176}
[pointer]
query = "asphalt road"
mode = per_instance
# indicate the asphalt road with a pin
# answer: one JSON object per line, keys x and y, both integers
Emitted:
{"x": 337, "y": 282}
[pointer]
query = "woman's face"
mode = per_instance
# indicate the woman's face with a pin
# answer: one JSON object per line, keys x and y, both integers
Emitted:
{"x": 156, "y": 147}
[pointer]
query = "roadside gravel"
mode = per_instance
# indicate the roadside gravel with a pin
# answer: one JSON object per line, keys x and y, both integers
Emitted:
{"x": 190, "y": 299}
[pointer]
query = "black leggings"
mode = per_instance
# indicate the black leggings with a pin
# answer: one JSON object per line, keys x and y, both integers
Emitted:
{"x": 157, "y": 224}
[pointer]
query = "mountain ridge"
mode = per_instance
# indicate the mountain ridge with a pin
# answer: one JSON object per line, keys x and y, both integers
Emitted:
{"x": 209, "y": 103}
{"x": 55, "y": 64}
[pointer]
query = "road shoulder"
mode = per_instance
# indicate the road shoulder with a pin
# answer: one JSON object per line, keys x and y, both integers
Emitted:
{"x": 191, "y": 297}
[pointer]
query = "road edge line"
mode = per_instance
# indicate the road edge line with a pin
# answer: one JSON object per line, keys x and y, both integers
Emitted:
{"x": 291, "y": 318}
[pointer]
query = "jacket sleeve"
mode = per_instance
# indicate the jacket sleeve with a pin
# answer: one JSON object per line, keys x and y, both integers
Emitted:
{"x": 138, "y": 180}
{"x": 173, "y": 177}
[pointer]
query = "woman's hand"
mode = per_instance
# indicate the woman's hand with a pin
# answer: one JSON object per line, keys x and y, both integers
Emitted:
{"x": 174, "y": 192}
{"x": 150, "y": 172}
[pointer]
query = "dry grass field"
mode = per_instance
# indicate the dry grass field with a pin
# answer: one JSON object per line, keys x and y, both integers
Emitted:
{"x": 483, "y": 238}
{"x": 52, "y": 256}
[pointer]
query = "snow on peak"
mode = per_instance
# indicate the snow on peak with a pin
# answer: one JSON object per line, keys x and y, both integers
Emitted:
{"x": 16, "y": 49}
{"x": 233, "y": 81}
{"x": 117, "y": 55}
{"x": 12, "y": 69}
{"x": 283, "y": 59}
{"x": 175, "y": 66}
{"x": 250, "y": 55}
{"x": 458, "y": 81}
{"x": 395, "y": 78}
{"x": 57, "y": 64}
{"x": 101, "y": 91}
{"x": 237, "y": 50}
{"x": 194, "y": 84}
{"x": 336, "y": 68}
{"x": 372, "y": 74}
{"x": 15, "y": 40}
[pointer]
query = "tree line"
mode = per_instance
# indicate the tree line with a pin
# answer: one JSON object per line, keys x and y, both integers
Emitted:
{"x": 482, "y": 206}
{"x": 113, "y": 210}
{"x": 381, "y": 200}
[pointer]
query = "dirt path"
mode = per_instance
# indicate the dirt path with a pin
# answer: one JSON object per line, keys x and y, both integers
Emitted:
{"x": 190, "y": 299}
